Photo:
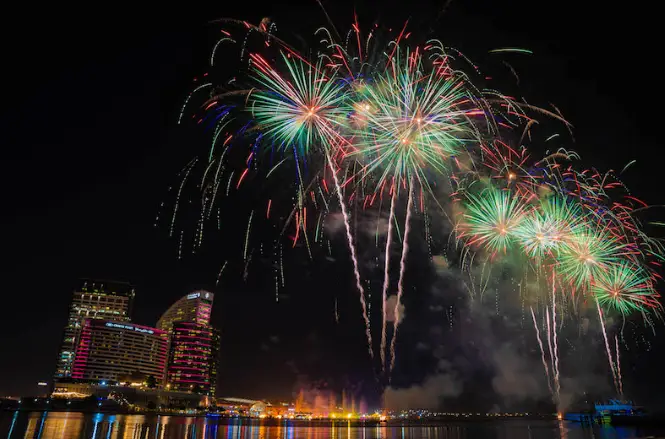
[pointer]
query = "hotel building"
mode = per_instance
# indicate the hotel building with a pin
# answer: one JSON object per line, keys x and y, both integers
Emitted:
{"x": 93, "y": 299}
{"x": 108, "y": 350}
{"x": 193, "y": 344}
{"x": 193, "y": 358}
{"x": 192, "y": 308}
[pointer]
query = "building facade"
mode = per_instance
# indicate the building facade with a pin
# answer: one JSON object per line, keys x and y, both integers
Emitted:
{"x": 108, "y": 350}
{"x": 92, "y": 300}
{"x": 192, "y": 308}
{"x": 193, "y": 358}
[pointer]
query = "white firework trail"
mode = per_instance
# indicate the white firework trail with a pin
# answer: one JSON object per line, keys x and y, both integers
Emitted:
{"x": 618, "y": 367}
{"x": 555, "y": 339}
{"x": 402, "y": 269}
{"x": 542, "y": 351}
{"x": 552, "y": 355}
{"x": 386, "y": 278}
{"x": 607, "y": 347}
{"x": 352, "y": 249}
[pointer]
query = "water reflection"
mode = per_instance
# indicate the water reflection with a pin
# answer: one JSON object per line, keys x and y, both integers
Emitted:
{"x": 56, "y": 425}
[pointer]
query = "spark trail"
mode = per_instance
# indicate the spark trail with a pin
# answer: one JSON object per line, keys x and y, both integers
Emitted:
{"x": 555, "y": 339}
{"x": 249, "y": 228}
{"x": 386, "y": 278}
{"x": 352, "y": 249}
{"x": 552, "y": 356}
{"x": 607, "y": 346}
{"x": 402, "y": 269}
{"x": 221, "y": 270}
{"x": 619, "y": 378}
{"x": 542, "y": 351}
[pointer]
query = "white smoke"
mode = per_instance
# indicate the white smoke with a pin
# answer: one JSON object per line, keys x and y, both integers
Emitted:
{"x": 429, "y": 394}
{"x": 517, "y": 376}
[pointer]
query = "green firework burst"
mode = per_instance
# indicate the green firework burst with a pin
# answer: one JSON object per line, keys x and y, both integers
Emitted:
{"x": 547, "y": 228}
{"x": 492, "y": 218}
{"x": 411, "y": 119}
{"x": 302, "y": 108}
{"x": 624, "y": 287}
{"x": 587, "y": 254}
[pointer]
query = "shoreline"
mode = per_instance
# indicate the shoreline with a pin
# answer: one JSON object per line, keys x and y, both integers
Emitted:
{"x": 435, "y": 421}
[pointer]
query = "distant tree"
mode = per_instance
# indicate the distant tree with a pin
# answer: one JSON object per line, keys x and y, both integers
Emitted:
{"x": 151, "y": 405}
{"x": 151, "y": 382}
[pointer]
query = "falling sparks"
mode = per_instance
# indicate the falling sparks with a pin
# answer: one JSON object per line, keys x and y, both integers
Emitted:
{"x": 249, "y": 227}
{"x": 221, "y": 270}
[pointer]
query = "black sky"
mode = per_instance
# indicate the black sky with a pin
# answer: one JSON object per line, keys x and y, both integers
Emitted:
{"x": 89, "y": 104}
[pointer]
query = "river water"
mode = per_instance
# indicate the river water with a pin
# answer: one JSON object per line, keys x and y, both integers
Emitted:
{"x": 52, "y": 425}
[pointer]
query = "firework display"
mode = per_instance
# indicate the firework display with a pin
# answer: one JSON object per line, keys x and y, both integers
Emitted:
{"x": 573, "y": 239}
{"x": 394, "y": 125}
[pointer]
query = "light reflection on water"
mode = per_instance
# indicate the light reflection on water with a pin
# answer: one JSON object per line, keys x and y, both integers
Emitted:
{"x": 62, "y": 425}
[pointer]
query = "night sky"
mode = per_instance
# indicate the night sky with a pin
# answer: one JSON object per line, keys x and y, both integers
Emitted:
{"x": 90, "y": 145}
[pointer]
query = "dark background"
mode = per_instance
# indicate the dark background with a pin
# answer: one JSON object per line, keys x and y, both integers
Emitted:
{"x": 90, "y": 100}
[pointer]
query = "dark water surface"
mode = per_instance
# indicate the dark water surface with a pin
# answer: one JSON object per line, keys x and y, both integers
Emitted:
{"x": 78, "y": 425}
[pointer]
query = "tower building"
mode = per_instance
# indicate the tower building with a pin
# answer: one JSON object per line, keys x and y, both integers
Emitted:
{"x": 193, "y": 344}
{"x": 92, "y": 299}
{"x": 193, "y": 358}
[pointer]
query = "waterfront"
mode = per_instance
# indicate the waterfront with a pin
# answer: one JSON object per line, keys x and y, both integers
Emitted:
{"x": 70, "y": 425}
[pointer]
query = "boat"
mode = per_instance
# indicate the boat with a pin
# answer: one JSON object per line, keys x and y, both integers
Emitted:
{"x": 606, "y": 413}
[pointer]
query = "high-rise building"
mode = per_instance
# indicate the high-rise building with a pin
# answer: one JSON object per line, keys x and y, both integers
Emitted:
{"x": 93, "y": 299}
{"x": 193, "y": 358}
{"x": 192, "y": 308}
{"x": 108, "y": 350}
{"x": 194, "y": 344}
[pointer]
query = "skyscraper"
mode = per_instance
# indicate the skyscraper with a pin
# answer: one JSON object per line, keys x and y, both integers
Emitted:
{"x": 193, "y": 358}
{"x": 192, "y": 308}
{"x": 193, "y": 344}
{"x": 108, "y": 350}
{"x": 93, "y": 299}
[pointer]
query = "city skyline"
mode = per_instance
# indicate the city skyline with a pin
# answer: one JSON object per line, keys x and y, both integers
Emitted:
{"x": 102, "y": 344}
